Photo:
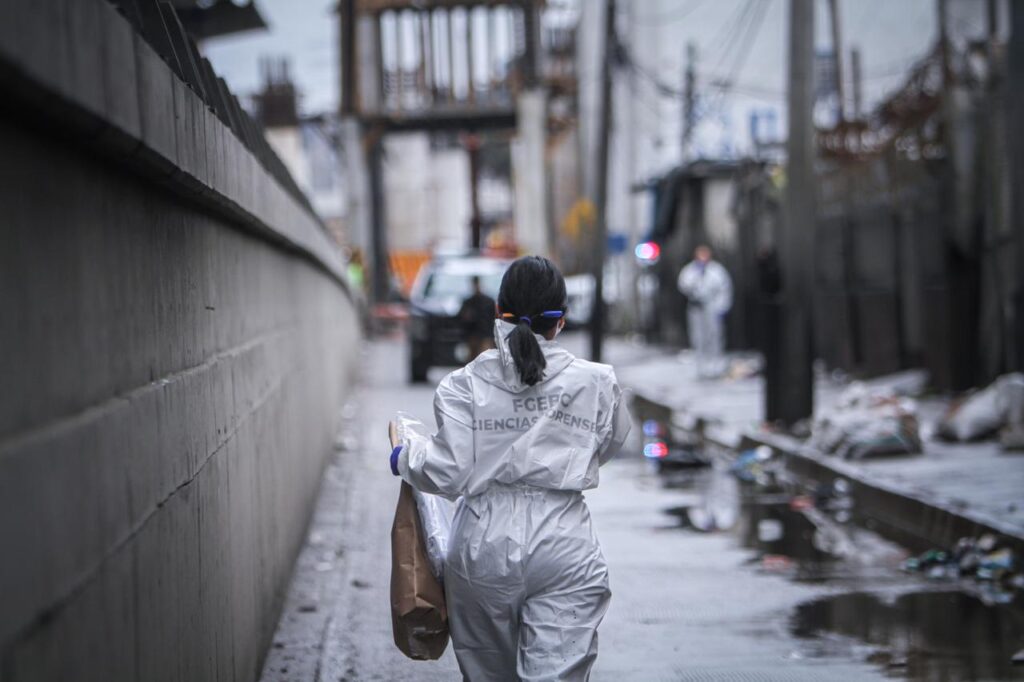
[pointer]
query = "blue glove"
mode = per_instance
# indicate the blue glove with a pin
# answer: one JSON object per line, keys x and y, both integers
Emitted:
{"x": 394, "y": 460}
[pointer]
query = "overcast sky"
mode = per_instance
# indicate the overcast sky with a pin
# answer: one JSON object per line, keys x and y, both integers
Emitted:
{"x": 304, "y": 31}
{"x": 890, "y": 33}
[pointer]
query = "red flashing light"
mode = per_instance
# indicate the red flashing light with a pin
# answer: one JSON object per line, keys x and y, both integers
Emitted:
{"x": 656, "y": 450}
{"x": 648, "y": 252}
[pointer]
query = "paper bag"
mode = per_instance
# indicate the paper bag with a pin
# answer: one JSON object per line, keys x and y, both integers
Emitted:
{"x": 419, "y": 617}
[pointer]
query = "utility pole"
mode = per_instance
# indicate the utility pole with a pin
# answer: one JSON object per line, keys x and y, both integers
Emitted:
{"x": 597, "y": 318}
{"x": 347, "y": 54}
{"x": 796, "y": 393}
{"x": 365, "y": 148}
{"x": 470, "y": 80}
{"x": 1014, "y": 88}
{"x": 472, "y": 141}
{"x": 858, "y": 82}
{"x": 380, "y": 284}
{"x": 998, "y": 356}
{"x": 961, "y": 352}
{"x": 689, "y": 99}
{"x": 837, "y": 47}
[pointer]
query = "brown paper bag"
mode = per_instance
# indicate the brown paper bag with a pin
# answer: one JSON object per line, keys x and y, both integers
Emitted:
{"x": 419, "y": 617}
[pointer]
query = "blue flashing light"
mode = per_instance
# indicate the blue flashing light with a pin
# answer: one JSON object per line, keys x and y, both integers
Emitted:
{"x": 653, "y": 428}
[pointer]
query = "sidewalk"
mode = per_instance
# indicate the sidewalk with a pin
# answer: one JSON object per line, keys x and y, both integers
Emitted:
{"x": 685, "y": 606}
{"x": 950, "y": 491}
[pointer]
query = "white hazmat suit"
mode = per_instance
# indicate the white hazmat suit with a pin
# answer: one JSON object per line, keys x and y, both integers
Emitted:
{"x": 525, "y": 579}
{"x": 709, "y": 290}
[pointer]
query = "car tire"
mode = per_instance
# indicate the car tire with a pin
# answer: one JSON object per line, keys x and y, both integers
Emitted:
{"x": 417, "y": 367}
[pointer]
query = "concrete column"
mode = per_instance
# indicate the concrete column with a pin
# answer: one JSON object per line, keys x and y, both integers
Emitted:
{"x": 368, "y": 64}
{"x": 357, "y": 188}
{"x": 530, "y": 174}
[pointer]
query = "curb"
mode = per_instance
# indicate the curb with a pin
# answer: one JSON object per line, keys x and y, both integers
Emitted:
{"x": 915, "y": 518}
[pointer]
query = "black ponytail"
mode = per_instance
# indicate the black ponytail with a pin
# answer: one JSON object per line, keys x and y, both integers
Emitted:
{"x": 532, "y": 285}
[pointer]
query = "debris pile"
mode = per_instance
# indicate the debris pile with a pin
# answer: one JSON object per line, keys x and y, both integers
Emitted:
{"x": 757, "y": 466}
{"x": 995, "y": 409}
{"x": 867, "y": 422}
{"x": 982, "y": 559}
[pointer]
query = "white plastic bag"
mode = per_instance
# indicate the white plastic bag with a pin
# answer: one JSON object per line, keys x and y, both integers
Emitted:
{"x": 983, "y": 412}
{"x": 435, "y": 511}
{"x": 867, "y": 422}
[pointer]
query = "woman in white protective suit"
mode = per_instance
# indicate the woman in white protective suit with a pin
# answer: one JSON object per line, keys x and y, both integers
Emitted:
{"x": 521, "y": 432}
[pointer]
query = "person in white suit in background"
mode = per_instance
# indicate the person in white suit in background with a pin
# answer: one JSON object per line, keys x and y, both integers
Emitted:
{"x": 708, "y": 289}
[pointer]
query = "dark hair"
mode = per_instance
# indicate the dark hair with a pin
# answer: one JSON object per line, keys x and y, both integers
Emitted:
{"x": 531, "y": 286}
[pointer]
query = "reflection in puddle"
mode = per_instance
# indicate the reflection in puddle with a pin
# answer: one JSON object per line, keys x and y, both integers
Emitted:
{"x": 929, "y": 636}
{"x": 921, "y": 636}
{"x": 788, "y": 533}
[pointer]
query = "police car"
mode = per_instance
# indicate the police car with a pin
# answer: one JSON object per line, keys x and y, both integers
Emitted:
{"x": 435, "y": 333}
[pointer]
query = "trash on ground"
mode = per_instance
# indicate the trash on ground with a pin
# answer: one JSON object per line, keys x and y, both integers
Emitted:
{"x": 997, "y": 408}
{"x": 801, "y": 503}
{"x": 755, "y": 466}
{"x": 982, "y": 559}
{"x": 830, "y": 537}
{"x": 776, "y": 562}
{"x": 836, "y": 498}
{"x": 744, "y": 368}
{"x": 867, "y": 421}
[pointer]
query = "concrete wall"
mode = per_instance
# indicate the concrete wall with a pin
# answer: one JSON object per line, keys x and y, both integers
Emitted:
{"x": 176, "y": 341}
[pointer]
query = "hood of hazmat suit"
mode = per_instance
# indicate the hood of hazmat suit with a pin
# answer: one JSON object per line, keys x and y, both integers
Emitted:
{"x": 525, "y": 579}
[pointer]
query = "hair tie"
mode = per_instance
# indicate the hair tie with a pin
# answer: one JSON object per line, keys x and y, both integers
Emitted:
{"x": 526, "y": 319}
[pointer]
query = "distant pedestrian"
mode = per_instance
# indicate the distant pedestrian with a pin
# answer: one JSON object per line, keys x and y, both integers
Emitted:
{"x": 477, "y": 317}
{"x": 708, "y": 290}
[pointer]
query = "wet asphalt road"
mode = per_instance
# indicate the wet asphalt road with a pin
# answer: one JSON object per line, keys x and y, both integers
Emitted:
{"x": 685, "y": 605}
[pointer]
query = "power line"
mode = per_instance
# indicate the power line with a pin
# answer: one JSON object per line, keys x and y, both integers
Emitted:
{"x": 732, "y": 30}
{"x": 676, "y": 14}
{"x": 750, "y": 31}
{"x": 713, "y": 81}
{"x": 747, "y": 44}
{"x": 727, "y": 27}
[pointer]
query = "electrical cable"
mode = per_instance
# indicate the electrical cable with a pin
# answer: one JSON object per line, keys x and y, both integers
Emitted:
{"x": 732, "y": 31}
{"x": 669, "y": 17}
{"x": 753, "y": 29}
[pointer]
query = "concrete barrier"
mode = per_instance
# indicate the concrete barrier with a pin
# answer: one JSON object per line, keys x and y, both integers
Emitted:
{"x": 176, "y": 339}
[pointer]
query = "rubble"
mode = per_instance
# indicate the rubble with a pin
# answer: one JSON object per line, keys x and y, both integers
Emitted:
{"x": 996, "y": 568}
{"x": 997, "y": 408}
{"x": 755, "y": 466}
{"x": 867, "y": 421}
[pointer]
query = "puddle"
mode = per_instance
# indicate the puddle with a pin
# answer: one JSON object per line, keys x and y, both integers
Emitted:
{"x": 786, "y": 534}
{"x": 930, "y": 636}
{"x": 917, "y": 634}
